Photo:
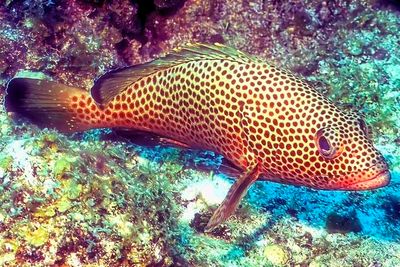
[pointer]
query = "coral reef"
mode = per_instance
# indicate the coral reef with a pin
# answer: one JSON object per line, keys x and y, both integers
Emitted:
{"x": 94, "y": 199}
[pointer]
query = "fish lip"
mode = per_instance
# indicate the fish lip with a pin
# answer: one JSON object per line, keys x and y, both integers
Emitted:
{"x": 383, "y": 177}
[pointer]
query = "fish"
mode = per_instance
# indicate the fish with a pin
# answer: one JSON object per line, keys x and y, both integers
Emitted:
{"x": 268, "y": 122}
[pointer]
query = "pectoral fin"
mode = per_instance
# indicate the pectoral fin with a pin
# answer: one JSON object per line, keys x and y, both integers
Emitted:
{"x": 232, "y": 199}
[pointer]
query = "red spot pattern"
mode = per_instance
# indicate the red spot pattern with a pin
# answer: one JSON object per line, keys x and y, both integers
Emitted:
{"x": 247, "y": 112}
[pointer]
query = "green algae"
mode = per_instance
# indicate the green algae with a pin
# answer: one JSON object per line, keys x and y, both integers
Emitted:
{"x": 45, "y": 212}
{"x": 71, "y": 189}
{"x": 63, "y": 165}
{"x": 63, "y": 204}
{"x": 5, "y": 161}
{"x": 36, "y": 238}
{"x": 8, "y": 250}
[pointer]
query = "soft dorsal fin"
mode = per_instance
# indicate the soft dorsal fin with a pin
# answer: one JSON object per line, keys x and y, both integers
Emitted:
{"x": 114, "y": 82}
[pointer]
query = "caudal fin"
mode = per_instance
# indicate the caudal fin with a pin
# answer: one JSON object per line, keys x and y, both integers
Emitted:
{"x": 45, "y": 103}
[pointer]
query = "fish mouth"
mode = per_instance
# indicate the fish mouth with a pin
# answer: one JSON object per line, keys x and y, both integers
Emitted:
{"x": 381, "y": 179}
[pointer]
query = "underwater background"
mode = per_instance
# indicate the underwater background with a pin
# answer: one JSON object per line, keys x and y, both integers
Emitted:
{"x": 99, "y": 199}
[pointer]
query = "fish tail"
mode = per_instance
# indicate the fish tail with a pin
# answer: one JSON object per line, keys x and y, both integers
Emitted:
{"x": 46, "y": 104}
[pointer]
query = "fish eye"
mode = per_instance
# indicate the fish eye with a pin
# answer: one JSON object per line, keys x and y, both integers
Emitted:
{"x": 327, "y": 143}
{"x": 363, "y": 126}
{"x": 324, "y": 144}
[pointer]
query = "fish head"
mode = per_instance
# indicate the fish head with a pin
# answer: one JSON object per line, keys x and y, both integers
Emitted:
{"x": 324, "y": 148}
{"x": 346, "y": 158}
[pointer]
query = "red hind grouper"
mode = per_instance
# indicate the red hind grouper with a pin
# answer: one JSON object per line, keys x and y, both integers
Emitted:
{"x": 270, "y": 124}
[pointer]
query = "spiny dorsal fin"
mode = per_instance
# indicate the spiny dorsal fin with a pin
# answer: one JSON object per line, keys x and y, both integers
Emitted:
{"x": 197, "y": 51}
{"x": 113, "y": 83}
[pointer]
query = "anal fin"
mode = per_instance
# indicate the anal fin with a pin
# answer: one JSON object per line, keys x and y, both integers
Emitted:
{"x": 232, "y": 199}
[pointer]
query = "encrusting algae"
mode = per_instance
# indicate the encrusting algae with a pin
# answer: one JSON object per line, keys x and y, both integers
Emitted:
{"x": 267, "y": 122}
{"x": 74, "y": 213}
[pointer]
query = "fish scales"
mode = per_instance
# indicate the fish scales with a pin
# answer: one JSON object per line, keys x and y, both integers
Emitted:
{"x": 197, "y": 103}
{"x": 269, "y": 123}
{"x": 206, "y": 109}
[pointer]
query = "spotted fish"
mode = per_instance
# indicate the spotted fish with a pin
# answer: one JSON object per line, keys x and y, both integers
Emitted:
{"x": 267, "y": 122}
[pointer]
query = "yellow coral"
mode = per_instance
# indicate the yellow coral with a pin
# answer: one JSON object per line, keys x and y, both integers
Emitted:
{"x": 38, "y": 237}
{"x": 71, "y": 189}
{"x": 8, "y": 249}
{"x": 276, "y": 254}
{"x": 63, "y": 204}
{"x": 63, "y": 165}
{"x": 121, "y": 224}
{"x": 45, "y": 212}
{"x": 5, "y": 161}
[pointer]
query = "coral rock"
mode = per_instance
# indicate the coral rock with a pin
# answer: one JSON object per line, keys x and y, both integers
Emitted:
{"x": 276, "y": 254}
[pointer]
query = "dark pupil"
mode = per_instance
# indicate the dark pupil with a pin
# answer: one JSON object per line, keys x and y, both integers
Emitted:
{"x": 323, "y": 143}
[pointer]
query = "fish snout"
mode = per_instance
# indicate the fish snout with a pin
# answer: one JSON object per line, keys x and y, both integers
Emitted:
{"x": 375, "y": 177}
